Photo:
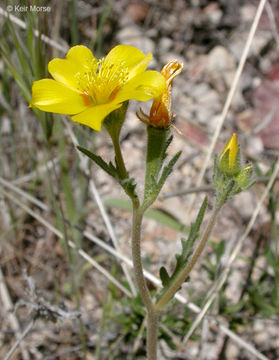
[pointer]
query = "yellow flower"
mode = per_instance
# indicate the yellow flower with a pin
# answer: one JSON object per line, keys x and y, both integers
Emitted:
{"x": 229, "y": 161}
{"x": 160, "y": 113}
{"x": 90, "y": 89}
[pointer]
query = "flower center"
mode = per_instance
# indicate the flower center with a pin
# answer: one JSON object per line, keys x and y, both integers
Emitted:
{"x": 101, "y": 82}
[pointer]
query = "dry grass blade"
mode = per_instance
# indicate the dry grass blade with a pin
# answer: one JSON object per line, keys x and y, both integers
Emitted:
{"x": 24, "y": 194}
{"x": 230, "y": 96}
{"x": 221, "y": 280}
{"x": 44, "y": 38}
{"x": 8, "y": 306}
{"x": 60, "y": 235}
{"x": 40, "y": 170}
{"x": 19, "y": 340}
{"x": 242, "y": 343}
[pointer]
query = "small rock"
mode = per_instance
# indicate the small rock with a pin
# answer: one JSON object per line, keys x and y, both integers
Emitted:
{"x": 245, "y": 204}
{"x": 165, "y": 44}
{"x": 213, "y": 13}
{"x": 232, "y": 351}
{"x": 261, "y": 336}
{"x": 260, "y": 41}
{"x": 254, "y": 146}
{"x": 247, "y": 13}
{"x": 210, "y": 99}
{"x": 220, "y": 60}
{"x": 132, "y": 35}
{"x": 199, "y": 90}
{"x": 138, "y": 10}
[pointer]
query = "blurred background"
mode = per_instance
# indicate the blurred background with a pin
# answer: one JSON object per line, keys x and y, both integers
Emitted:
{"x": 66, "y": 284}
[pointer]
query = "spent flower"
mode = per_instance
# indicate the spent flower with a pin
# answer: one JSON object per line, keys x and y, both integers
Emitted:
{"x": 90, "y": 89}
{"x": 160, "y": 113}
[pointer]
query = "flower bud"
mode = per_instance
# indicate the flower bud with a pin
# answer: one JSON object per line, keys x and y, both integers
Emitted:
{"x": 229, "y": 177}
{"x": 229, "y": 161}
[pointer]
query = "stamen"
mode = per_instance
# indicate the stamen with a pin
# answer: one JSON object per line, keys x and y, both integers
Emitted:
{"x": 102, "y": 80}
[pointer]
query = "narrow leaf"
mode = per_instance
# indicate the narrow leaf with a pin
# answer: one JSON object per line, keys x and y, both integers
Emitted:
{"x": 108, "y": 168}
{"x": 164, "y": 276}
{"x": 167, "y": 171}
{"x": 186, "y": 250}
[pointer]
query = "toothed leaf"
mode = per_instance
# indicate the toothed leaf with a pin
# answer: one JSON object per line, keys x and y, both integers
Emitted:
{"x": 108, "y": 168}
{"x": 167, "y": 171}
{"x": 164, "y": 276}
{"x": 186, "y": 250}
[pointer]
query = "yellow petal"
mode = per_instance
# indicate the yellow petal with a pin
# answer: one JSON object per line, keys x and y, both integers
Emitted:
{"x": 131, "y": 57}
{"x": 94, "y": 116}
{"x": 143, "y": 87}
{"x": 52, "y": 96}
{"x": 81, "y": 56}
{"x": 232, "y": 147}
{"x": 79, "y": 59}
{"x": 64, "y": 71}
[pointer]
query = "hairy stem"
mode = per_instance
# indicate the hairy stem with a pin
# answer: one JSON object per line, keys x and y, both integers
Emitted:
{"x": 119, "y": 158}
{"x": 136, "y": 255}
{"x": 186, "y": 271}
{"x": 152, "y": 335}
{"x": 152, "y": 316}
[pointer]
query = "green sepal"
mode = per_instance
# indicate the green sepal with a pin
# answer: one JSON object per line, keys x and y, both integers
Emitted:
{"x": 186, "y": 251}
{"x": 114, "y": 121}
{"x": 224, "y": 165}
{"x": 243, "y": 178}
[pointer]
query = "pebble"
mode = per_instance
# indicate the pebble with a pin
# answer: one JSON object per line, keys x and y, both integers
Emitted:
{"x": 254, "y": 146}
{"x": 133, "y": 36}
{"x": 220, "y": 60}
{"x": 232, "y": 351}
{"x": 165, "y": 44}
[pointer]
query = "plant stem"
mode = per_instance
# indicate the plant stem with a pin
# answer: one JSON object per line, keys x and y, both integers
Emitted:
{"x": 136, "y": 255}
{"x": 119, "y": 158}
{"x": 185, "y": 272}
{"x": 152, "y": 334}
{"x": 152, "y": 316}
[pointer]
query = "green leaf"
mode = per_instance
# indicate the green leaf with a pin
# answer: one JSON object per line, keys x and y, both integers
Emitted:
{"x": 128, "y": 185}
{"x": 164, "y": 276}
{"x": 167, "y": 171}
{"x": 220, "y": 251}
{"x": 108, "y": 168}
{"x": 186, "y": 251}
{"x": 157, "y": 143}
{"x": 167, "y": 144}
